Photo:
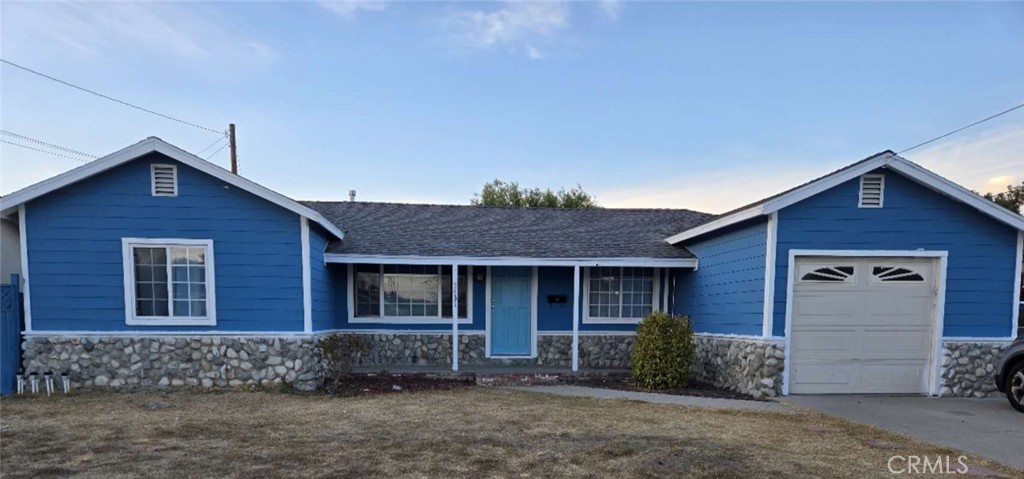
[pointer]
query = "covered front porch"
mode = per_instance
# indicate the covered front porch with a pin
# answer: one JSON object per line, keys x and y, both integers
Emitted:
{"x": 566, "y": 315}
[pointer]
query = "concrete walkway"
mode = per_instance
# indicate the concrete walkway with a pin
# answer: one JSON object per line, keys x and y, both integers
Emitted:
{"x": 693, "y": 401}
{"x": 986, "y": 427}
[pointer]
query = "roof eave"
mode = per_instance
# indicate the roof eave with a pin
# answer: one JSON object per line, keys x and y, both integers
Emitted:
{"x": 776, "y": 204}
{"x": 906, "y": 167}
{"x": 957, "y": 192}
{"x": 511, "y": 261}
{"x": 717, "y": 224}
{"x": 9, "y": 203}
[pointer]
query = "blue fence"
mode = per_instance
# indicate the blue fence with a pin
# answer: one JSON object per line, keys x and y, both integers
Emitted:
{"x": 10, "y": 334}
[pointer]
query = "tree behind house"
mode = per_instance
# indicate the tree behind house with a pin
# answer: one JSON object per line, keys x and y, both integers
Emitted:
{"x": 500, "y": 193}
{"x": 1011, "y": 199}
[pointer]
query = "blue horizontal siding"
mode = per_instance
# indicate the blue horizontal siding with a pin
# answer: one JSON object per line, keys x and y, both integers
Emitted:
{"x": 555, "y": 317}
{"x": 558, "y": 317}
{"x": 725, "y": 295}
{"x": 325, "y": 303}
{"x": 74, "y": 245}
{"x": 982, "y": 252}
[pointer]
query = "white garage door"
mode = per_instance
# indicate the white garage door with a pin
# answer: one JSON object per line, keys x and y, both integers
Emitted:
{"x": 861, "y": 325}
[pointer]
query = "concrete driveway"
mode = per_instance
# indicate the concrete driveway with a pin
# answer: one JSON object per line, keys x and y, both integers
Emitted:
{"x": 986, "y": 427}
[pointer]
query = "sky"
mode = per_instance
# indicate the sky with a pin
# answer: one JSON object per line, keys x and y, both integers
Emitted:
{"x": 705, "y": 106}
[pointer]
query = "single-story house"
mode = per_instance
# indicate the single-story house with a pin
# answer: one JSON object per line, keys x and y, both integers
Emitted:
{"x": 152, "y": 267}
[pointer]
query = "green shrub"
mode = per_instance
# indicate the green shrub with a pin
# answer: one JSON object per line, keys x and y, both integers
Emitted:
{"x": 663, "y": 352}
{"x": 338, "y": 352}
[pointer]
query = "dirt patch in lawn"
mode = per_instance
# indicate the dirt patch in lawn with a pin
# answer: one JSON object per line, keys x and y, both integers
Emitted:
{"x": 363, "y": 384}
{"x": 626, "y": 383}
{"x": 465, "y": 432}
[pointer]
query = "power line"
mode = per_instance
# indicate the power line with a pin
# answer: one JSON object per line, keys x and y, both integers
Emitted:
{"x": 200, "y": 152}
{"x": 218, "y": 151}
{"x": 958, "y": 130}
{"x": 43, "y": 151}
{"x": 47, "y": 144}
{"x": 122, "y": 102}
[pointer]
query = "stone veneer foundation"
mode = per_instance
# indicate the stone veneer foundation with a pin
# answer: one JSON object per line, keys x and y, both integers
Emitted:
{"x": 142, "y": 363}
{"x": 401, "y": 349}
{"x": 745, "y": 365}
{"x": 968, "y": 368}
{"x": 158, "y": 362}
{"x": 138, "y": 363}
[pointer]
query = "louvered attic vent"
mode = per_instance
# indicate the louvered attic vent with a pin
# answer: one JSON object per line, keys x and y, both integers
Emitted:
{"x": 872, "y": 190}
{"x": 165, "y": 180}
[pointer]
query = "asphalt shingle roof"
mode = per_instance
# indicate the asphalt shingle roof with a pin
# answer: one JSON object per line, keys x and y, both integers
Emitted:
{"x": 482, "y": 231}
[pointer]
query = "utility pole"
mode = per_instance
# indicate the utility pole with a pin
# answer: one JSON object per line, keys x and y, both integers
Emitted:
{"x": 233, "y": 146}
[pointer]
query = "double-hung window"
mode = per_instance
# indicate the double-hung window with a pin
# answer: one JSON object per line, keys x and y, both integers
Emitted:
{"x": 392, "y": 293}
{"x": 619, "y": 295}
{"x": 169, "y": 282}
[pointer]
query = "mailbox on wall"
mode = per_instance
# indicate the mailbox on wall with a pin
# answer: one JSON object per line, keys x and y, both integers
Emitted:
{"x": 557, "y": 299}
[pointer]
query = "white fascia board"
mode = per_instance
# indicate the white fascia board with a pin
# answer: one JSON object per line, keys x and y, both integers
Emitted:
{"x": 826, "y": 183}
{"x": 94, "y": 167}
{"x": 708, "y": 227}
{"x": 248, "y": 185}
{"x": 785, "y": 200}
{"x": 897, "y": 163}
{"x": 11, "y": 201}
{"x": 937, "y": 183}
{"x": 511, "y": 261}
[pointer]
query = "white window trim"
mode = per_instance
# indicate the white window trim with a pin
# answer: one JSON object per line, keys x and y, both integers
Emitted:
{"x": 588, "y": 319}
{"x": 152, "y": 178}
{"x": 128, "y": 265}
{"x": 881, "y": 190}
{"x": 353, "y": 319}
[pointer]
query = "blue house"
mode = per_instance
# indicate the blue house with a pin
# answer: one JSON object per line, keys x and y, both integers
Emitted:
{"x": 151, "y": 267}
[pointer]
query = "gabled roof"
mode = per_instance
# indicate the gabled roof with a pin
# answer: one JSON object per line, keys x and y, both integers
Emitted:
{"x": 457, "y": 231}
{"x": 153, "y": 144}
{"x": 885, "y": 159}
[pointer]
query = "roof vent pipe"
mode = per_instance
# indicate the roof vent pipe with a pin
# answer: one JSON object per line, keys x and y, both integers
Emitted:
{"x": 351, "y": 195}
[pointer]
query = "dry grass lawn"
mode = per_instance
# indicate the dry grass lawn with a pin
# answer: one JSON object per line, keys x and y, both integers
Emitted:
{"x": 476, "y": 432}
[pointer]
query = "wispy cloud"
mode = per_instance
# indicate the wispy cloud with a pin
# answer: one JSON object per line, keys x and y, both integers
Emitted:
{"x": 526, "y": 27}
{"x": 714, "y": 191}
{"x": 350, "y": 8}
{"x": 985, "y": 161}
{"x": 610, "y": 8}
{"x": 165, "y": 30}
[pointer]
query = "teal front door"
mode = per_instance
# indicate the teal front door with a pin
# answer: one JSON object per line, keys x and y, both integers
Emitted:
{"x": 511, "y": 329}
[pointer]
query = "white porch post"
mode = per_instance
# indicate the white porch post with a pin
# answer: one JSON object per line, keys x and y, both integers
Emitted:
{"x": 455, "y": 317}
{"x": 576, "y": 318}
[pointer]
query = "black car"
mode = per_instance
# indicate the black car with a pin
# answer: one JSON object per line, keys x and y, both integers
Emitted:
{"x": 1010, "y": 374}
